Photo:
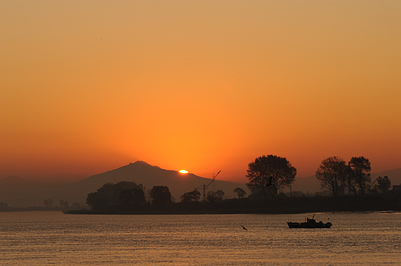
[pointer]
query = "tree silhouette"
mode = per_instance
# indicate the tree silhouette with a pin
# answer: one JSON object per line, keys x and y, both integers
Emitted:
{"x": 220, "y": 195}
{"x": 64, "y": 204}
{"x": 48, "y": 203}
{"x": 97, "y": 201}
{"x": 240, "y": 192}
{"x": 126, "y": 200}
{"x": 123, "y": 195}
{"x": 161, "y": 196}
{"x": 191, "y": 196}
{"x": 383, "y": 184}
{"x": 350, "y": 182}
{"x": 270, "y": 172}
{"x": 131, "y": 198}
{"x": 360, "y": 173}
{"x": 332, "y": 174}
{"x": 211, "y": 196}
{"x": 215, "y": 196}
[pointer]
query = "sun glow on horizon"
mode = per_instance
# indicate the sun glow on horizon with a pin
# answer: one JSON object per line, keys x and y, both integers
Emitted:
{"x": 227, "y": 94}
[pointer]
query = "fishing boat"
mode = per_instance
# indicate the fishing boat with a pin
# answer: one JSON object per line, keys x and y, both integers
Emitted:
{"x": 310, "y": 223}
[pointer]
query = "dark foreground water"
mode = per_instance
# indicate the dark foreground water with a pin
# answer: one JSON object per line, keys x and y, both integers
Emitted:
{"x": 53, "y": 238}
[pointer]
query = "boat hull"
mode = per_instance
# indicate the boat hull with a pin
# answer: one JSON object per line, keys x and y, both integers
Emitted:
{"x": 309, "y": 225}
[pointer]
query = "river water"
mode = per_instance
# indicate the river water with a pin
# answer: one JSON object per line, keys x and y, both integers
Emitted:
{"x": 53, "y": 238}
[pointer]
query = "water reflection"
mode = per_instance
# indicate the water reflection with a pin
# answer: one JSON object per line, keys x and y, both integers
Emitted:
{"x": 53, "y": 238}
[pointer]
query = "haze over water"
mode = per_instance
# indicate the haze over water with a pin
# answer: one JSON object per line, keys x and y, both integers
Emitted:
{"x": 53, "y": 238}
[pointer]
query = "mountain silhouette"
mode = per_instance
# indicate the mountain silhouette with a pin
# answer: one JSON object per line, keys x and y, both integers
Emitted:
{"x": 18, "y": 192}
{"x": 394, "y": 175}
{"x": 149, "y": 176}
{"x": 30, "y": 193}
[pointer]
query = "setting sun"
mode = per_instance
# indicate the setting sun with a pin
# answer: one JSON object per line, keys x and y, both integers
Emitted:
{"x": 183, "y": 171}
{"x": 251, "y": 80}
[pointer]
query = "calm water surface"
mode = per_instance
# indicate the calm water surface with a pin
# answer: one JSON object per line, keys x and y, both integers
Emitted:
{"x": 53, "y": 238}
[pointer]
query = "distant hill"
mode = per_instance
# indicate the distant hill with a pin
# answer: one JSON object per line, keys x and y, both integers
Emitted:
{"x": 149, "y": 176}
{"x": 17, "y": 191}
{"x": 394, "y": 175}
{"x": 138, "y": 172}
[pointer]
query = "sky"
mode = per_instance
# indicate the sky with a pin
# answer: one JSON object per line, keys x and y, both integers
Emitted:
{"x": 90, "y": 86}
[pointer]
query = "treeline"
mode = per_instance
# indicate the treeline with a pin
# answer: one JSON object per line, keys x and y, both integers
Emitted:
{"x": 4, "y": 207}
{"x": 130, "y": 198}
{"x": 349, "y": 183}
{"x": 127, "y": 196}
{"x": 343, "y": 178}
{"x": 268, "y": 175}
{"x": 64, "y": 204}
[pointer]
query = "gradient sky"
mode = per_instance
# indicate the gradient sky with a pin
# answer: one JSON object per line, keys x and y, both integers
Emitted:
{"x": 89, "y": 86}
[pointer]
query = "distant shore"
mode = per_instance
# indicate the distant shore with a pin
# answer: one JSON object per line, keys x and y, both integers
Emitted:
{"x": 90, "y": 212}
{"x": 288, "y": 205}
{"x": 283, "y": 206}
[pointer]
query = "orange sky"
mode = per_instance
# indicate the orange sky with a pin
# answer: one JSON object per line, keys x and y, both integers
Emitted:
{"x": 89, "y": 86}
